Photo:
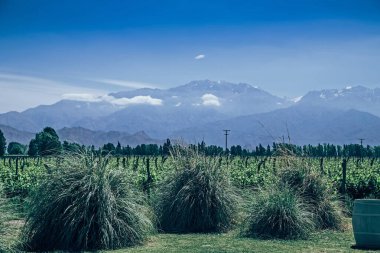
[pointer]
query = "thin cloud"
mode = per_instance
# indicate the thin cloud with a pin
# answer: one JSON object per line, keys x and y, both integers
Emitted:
{"x": 125, "y": 83}
{"x": 148, "y": 100}
{"x": 83, "y": 97}
{"x": 27, "y": 90}
{"x": 31, "y": 80}
{"x": 200, "y": 57}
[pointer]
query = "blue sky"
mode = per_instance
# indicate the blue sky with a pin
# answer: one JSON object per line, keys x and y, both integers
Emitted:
{"x": 49, "y": 48}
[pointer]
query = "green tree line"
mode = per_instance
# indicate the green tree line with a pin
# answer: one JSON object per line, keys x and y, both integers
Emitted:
{"x": 47, "y": 143}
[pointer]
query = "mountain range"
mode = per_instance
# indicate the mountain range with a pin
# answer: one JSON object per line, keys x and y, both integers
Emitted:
{"x": 200, "y": 110}
{"x": 83, "y": 136}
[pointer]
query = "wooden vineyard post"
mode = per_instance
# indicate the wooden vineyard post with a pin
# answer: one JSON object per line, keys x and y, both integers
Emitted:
{"x": 321, "y": 165}
{"x": 16, "y": 168}
{"x": 372, "y": 161}
{"x": 344, "y": 176}
{"x": 23, "y": 164}
{"x": 149, "y": 179}
{"x": 136, "y": 163}
{"x": 156, "y": 163}
{"x": 123, "y": 162}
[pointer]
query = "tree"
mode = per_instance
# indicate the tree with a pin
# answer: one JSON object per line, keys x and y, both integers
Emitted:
{"x": 166, "y": 148}
{"x": 33, "y": 148}
{"x": 127, "y": 150}
{"x": 45, "y": 143}
{"x": 268, "y": 153}
{"x": 118, "y": 150}
{"x": 48, "y": 142}
{"x": 3, "y": 143}
{"x": 236, "y": 150}
{"x": 15, "y": 148}
{"x": 71, "y": 147}
{"x": 108, "y": 148}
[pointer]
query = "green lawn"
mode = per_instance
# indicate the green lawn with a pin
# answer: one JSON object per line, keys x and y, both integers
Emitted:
{"x": 326, "y": 241}
{"x": 232, "y": 242}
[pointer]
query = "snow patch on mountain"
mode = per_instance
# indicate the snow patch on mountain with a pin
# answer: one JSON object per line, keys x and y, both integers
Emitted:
{"x": 297, "y": 99}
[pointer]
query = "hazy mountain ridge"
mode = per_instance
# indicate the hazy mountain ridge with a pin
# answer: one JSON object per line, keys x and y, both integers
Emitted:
{"x": 358, "y": 97}
{"x": 234, "y": 99}
{"x": 157, "y": 122}
{"x": 159, "y": 112}
{"x": 201, "y": 109}
{"x": 61, "y": 114}
{"x": 304, "y": 125}
{"x": 12, "y": 134}
{"x": 83, "y": 136}
{"x": 98, "y": 138}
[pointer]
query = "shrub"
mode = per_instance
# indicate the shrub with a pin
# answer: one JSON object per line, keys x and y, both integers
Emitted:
{"x": 84, "y": 204}
{"x": 197, "y": 196}
{"x": 279, "y": 212}
{"x": 363, "y": 188}
{"x": 315, "y": 191}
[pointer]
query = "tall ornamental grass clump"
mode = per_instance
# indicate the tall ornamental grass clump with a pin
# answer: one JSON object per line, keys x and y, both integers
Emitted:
{"x": 6, "y": 245}
{"x": 84, "y": 204}
{"x": 322, "y": 201}
{"x": 197, "y": 197}
{"x": 278, "y": 212}
{"x": 3, "y": 219}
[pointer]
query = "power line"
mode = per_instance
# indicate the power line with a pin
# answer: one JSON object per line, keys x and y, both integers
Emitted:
{"x": 361, "y": 141}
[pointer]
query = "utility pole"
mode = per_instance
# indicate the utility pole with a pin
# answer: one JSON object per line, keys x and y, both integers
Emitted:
{"x": 361, "y": 148}
{"x": 226, "y": 133}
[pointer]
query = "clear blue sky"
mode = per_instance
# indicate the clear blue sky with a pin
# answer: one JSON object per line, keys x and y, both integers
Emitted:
{"x": 285, "y": 47}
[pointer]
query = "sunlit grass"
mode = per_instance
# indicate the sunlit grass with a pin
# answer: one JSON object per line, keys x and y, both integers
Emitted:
{"x": 232, "y": 242}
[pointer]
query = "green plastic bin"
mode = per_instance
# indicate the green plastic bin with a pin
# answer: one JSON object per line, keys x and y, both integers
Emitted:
{"x": 366, "y": 223}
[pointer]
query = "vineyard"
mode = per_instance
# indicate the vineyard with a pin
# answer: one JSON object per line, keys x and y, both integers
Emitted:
{"x": 176, "y": 187}
{"x": 355, "y": 176}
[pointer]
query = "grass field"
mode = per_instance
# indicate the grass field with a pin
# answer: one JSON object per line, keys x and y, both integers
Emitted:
{"x": 232, "y": 242}
{"x": 326, "y": 241}
{"x": 244, "y": 173}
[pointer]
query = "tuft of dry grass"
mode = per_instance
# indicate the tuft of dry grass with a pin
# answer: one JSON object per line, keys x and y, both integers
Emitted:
{"x": 197, "y": 197}
{"x": 85, "y": 204}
